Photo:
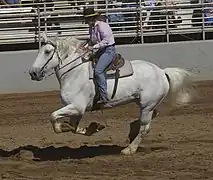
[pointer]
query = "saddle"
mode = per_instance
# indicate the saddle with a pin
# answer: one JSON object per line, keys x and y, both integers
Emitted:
{"x": 117, "y": 63}
{"x": 118, "y": 68}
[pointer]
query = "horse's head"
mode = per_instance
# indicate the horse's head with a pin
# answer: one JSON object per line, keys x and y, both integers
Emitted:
{"x": 47, "y": 59}
{"x": 55, "y": 54}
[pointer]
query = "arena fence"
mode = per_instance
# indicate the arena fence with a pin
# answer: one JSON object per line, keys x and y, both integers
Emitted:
{"x": 23, "y": 23}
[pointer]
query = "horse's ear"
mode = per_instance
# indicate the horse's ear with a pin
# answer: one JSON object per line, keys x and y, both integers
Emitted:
{"x": 54, "y": 40}
{"x": 44, "y": 37}
{"x": 56, "y": 37}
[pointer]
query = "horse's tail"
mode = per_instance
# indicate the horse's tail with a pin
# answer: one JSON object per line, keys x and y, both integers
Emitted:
{"x": 181, "y": 88}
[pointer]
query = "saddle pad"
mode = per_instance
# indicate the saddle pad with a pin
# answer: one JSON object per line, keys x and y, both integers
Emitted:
{"x": 125, "y": 71}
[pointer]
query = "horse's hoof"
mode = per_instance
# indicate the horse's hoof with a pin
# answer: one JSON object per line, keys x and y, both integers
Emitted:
{"x": 128, "y": 151}
{"x": 57, "y": 128}
{"x": 80, "y": 130}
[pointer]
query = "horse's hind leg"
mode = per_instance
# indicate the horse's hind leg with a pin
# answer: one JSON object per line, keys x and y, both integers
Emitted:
{"x": 145, "y": 122}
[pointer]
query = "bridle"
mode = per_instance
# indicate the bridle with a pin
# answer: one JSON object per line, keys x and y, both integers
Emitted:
{"x": 55, "y": 48}
{"x": 60, "y": 60}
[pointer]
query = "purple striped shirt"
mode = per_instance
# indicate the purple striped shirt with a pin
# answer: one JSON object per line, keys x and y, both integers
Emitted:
{"x": 101, "y": 35}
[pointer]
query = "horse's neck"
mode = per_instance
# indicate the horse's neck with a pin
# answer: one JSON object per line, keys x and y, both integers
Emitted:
{"x": 72, "y": 72}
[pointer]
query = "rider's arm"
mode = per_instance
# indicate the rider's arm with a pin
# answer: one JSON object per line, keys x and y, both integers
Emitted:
{"x": 88, "y": 42}
{"x": 106, "y": 35}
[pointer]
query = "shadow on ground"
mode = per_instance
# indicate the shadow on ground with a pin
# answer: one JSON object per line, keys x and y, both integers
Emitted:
{"x": 52, "y": 153}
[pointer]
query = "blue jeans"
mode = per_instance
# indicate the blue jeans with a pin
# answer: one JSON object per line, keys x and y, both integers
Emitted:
{"x": 106, "y": 56}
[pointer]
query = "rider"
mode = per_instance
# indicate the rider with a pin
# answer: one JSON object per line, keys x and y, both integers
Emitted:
{"x": 102, "y": 39}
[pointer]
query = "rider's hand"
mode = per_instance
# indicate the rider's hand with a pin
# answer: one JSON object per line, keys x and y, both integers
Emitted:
{"x": 90, "y": 48}
{"x": 96, "y": 46}
{"x": 82, "y": 47}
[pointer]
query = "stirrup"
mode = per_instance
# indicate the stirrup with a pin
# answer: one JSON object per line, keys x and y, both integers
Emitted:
{"x": 102, "y": 102}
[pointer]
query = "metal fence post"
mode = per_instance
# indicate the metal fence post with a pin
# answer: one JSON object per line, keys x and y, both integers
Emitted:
{"x": 45, "y": 18}
{"x": 167, "y": 22}
{"x": 203, "y": 21}
{"x": 39, "y": 25}
{"x": 141, "y": 21}
{"x": 106, "y": 11}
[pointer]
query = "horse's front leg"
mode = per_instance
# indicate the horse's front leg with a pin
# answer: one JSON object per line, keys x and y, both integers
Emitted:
{"x": 74, "y": 123}
{"x": 67, "y": 111}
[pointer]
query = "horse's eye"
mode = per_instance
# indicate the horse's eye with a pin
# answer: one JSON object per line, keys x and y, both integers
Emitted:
{"x": 46, "y": 52}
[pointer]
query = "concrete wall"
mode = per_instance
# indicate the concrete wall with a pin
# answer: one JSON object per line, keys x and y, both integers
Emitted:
{"x": 196, "y": 56}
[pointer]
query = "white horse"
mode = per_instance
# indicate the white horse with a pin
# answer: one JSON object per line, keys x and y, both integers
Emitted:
{"x": 147, "y": 86}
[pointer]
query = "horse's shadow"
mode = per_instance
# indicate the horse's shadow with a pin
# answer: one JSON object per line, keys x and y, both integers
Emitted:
{"x": 52, "y": 153}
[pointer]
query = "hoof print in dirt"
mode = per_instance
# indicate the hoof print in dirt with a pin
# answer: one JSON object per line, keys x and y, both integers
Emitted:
{"x": 94, "y": 128}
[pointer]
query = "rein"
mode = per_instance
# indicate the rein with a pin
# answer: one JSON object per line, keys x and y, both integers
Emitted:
{"x": 60, "y": 60}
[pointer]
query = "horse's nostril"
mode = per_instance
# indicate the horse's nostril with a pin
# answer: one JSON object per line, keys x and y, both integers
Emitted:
{"x": 34, "y": 74}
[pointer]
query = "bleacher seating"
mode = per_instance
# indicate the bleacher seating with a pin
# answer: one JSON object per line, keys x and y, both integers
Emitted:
{"x": 136, "y": 18}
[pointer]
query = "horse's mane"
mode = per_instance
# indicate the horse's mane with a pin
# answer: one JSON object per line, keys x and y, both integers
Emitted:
{"x": 66, "y": 46}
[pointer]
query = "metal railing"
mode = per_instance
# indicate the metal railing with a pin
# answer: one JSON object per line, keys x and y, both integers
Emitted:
{"x": 24, "y": 23}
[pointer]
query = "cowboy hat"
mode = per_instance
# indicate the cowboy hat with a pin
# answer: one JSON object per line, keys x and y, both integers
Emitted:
{"x": 89, "y": 12}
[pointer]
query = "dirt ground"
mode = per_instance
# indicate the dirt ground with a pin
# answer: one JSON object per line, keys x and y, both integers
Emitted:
{"x": 179, "y": 146}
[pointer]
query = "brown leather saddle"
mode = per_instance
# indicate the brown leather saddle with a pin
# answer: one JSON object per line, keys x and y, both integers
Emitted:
{"x": 117, "y": 63}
